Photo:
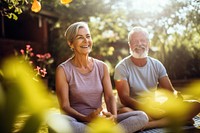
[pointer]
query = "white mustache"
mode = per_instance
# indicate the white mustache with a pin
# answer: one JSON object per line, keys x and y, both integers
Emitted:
{"x": 139, "y": 55}
{"x": 140, "y": 47}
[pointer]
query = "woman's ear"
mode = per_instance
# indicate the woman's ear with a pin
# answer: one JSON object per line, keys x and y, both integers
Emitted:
{"x": 70, "y": 45}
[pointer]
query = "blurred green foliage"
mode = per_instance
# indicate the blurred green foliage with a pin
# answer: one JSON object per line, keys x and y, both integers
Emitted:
{"x": 20, "y": 94}
{"x": 174, "y": 30}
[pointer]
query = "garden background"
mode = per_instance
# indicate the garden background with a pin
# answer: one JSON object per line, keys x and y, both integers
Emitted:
{"x": 174, "y": 28}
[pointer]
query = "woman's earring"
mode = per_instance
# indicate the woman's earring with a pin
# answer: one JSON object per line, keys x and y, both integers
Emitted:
{"x": 72, "y": 49}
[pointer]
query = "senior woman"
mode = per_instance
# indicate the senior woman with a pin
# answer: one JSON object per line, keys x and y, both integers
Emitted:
{"x": 81, "y": 81}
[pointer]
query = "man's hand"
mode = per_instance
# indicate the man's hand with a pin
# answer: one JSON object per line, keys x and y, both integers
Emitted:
{"x": 178, "y": 95}
{"x": 109, "y": 116}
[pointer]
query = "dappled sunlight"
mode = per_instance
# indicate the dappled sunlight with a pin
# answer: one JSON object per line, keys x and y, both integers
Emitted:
{"x": 150, "y": 5}
{"x": 153, "y": 6}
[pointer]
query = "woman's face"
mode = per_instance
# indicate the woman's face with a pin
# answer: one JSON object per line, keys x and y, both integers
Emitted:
{"x": 82, "y": 43}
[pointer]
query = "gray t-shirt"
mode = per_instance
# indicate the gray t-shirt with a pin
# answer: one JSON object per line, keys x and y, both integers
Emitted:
{"x": 85, "y": 90}
{"x": 140, "y": 79}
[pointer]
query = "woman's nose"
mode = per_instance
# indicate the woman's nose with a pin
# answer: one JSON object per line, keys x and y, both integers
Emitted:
{"x": 85, "y": 39}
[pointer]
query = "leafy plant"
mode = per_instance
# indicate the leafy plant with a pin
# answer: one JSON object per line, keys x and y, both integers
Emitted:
{"x": 40, "y": 62}
{"x": 12, "y": 8}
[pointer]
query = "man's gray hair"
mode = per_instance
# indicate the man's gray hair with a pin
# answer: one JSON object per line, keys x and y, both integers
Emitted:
{"x": 138, "y": 29}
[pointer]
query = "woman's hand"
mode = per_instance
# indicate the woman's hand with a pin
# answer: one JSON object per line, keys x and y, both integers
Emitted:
{"x": 94, "y": 114}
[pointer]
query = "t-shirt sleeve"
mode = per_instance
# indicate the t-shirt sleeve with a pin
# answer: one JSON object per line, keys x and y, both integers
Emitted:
{"x": 120, "y": 72}
{"x": 161, "y": 70}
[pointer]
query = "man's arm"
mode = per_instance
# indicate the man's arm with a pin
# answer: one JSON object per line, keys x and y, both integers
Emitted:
{"x": 165, "y": 83}
{"x": 124, "y": 95}
{"x": 126, "y": 100}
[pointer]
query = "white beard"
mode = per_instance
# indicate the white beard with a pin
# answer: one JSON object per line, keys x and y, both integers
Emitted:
{"x": 139, "y": 55}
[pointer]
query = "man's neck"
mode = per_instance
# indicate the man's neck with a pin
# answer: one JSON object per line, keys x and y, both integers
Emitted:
{"x": 139, "y": 61}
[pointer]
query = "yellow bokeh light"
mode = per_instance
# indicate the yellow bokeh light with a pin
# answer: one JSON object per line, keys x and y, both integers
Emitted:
{"x": 35, "y": 93}
{"x": 36, "y": 6}
{"x": 65, "y": 1}
{"x": 164, "y": 103}
{"x": 193, "y": 89}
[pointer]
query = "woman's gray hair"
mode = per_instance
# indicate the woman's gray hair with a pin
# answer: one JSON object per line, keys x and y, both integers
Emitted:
{"x": 138, "y": 29}
{"x": 72, "y": 30}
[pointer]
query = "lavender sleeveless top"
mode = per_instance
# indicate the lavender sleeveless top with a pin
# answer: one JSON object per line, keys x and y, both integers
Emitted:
{"x": 85, "y": 90}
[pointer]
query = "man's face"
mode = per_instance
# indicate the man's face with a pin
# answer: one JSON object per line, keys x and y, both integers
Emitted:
{"x": 139, "y": 45}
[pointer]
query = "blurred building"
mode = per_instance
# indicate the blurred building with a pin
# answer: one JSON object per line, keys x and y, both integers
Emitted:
{"x": 30, "y": 28}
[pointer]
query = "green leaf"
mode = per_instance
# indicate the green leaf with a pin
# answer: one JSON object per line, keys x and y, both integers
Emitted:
{"x": 14, "y": 16}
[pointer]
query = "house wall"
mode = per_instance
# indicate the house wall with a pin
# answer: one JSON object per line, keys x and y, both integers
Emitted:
{"x": 28, "y": 29}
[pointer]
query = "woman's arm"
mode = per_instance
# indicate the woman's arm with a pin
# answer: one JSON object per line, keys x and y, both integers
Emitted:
{"x": 62, "y": 91}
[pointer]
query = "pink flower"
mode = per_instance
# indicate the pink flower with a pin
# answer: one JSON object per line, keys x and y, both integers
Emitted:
{"x": 42, "y": 61}
{"x": 31, "y": 54}
{"x": 22, "y": 51}
{"x": 38, "y": 55}
{"x": 43, "y": 72}
{"x": 37, "y": 69}
{"x": 47, "y": 55}
{"x": 28, "y": 46}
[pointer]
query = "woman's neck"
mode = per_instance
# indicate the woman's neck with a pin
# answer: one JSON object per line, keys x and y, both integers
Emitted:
{"x": 81, "y": 61}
